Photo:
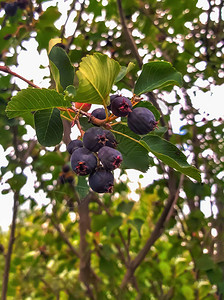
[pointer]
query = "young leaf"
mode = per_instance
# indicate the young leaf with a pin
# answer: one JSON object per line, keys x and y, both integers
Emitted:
{"x": 49, "y": 127}
{"x": 30, "y": 100}
{"x": 124, "y": 71}
{"x": 135, "y": 155}
{"x": 62, "y": 70}
{"x": 170, "y": 155}
{"x": 155, "y": 75}
{"x": 96, "y": 75}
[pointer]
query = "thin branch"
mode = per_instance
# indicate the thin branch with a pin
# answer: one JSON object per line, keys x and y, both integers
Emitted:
{"x": 10, "y": 247}
{"x": 7, "y": 70}
{"x": 65, "y": 238}
{"x": 128, "y": 35}
{"x": 157, "y": 232}
{"x": 77, "y": 26}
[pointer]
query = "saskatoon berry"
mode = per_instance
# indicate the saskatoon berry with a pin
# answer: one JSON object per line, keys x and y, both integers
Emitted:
{"x": 95, "y": 138}
{"x": 83, "y": 161}
{"x": 65, "y": 168}
{"x": 141, "y": 120}
{"x": 110, "y": 158}
{"x": 73, "y": 145}
{"x": 99, "y": 113}
{"x": 121, "y": 106}
{"x": 101, "y": 181}
{"x": 11, "y": 9}
{"x": 112, "y": 97}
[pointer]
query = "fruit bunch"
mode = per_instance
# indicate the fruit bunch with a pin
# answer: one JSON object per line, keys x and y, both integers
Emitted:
{"x": 96, "y": 157}
{"x": 11, "y": 7}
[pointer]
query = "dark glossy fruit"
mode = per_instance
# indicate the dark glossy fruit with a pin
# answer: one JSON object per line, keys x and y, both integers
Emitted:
{"x": 22, "y": 3}
{"x": 101, "y": 181}
{"x": 141, "y": 120}
{"x": 110, "y": 139}
{"x": 96, "y": 137}
{"x": 83, "y": 161}
{"x": 73, "y": 145}
{"x": 99, "y": 113}
{"x": 110, "y": 158}
{"x": 65, "y": 168}
{"x": 121, "y": 106}
{"x": 112, "y": 97}
{"x": 11, "y": 9}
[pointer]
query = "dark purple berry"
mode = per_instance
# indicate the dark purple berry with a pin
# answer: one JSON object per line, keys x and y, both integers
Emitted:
{"x": 110, "y": 139}
{"x": 121, "y": 106}
{"x": 62, "y": 179}
{"x": 65, "y": 168}
{"x": 96, "y": 137}
{"x": 99, "y": 113}
{"x": 11, "y": 9}
{"x": 112, "y": 97}
{"x": 141, "y": 120}
{"x": 101, "y": 181}
{"x": 73, "y": 145}
{"x": 70, "y": 179}
{"x": 83, "y": 161}
{"x": 110, "y": 158}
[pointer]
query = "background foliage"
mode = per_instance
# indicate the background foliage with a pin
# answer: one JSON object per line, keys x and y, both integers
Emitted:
{"x": 80, "y": 245}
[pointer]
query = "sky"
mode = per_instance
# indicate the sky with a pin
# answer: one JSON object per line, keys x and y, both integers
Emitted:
{"x": 208, "y": 104}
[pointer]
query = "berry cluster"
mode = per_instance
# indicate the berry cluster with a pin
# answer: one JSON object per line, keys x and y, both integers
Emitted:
{"x": 97, "y": 157}
{"x": 140, "y": 119}
{"x": 66, "y": 175}
{"x": 11, "y": 7}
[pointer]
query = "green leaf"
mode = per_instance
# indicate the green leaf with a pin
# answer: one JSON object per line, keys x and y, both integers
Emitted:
{"x": 204, "y": 262}
{"x": 151, "y": 107}
{"x": 137, "y": 224}
{"x": 96, "y": 75}
{"x": 124, "y": 70}
{"x": 17, "y": 181}
{"x": 155, "y": 75}
{"x": 49, "y": 127}
{"x": 135, "y": 154}
{"x": 62, "y": 70}
{"x": 125, "y": 207}
{"x": 98, "y": 222}
{"x": 113, "y": 223}
{"x": 82, "y": 187}
{"x": 170, "y": 155}
{"x": 30, "y": 100}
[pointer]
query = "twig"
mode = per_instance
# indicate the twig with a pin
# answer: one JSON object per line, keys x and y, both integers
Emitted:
{"x": 65, "y": 238}
{"x": 7, "y": 70}
{"x": 157, "y": 232}
{"x": 128, "y": 35}
{"x": 10, "y": 247}
{"x": 77, "y": 26}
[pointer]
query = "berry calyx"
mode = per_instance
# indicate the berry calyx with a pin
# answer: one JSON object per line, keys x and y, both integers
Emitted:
{"x": 141, "y": 120}
{"x": 101, "y": 181}
{"x": 121, "y": 106}
{"x": 95, "y": 138}
{"x": 83, "y": 161}
{"x": 110, "y": 158}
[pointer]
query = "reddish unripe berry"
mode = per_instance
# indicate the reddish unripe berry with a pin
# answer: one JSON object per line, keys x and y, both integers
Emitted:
{"x": 121, "y": 106}
{"x": 141, "y": 120}
{"x": 110, "y": 158}
{"x": 101, "y": 181}
{"x": 83, "y": 161}
{"x": 83, "y": 106}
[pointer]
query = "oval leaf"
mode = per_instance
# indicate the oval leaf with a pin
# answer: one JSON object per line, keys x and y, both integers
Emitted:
{"x": 170, "y": 155}
{"x": 155, "y": 75}
{"x": 49, "y": 127}
{"x": 61, "y": 68}
{"x": 96, "y": 75}
{"x": 30, "y": 100}
{"x": 135, "y": 155}
{"x": 124, "y": 70}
